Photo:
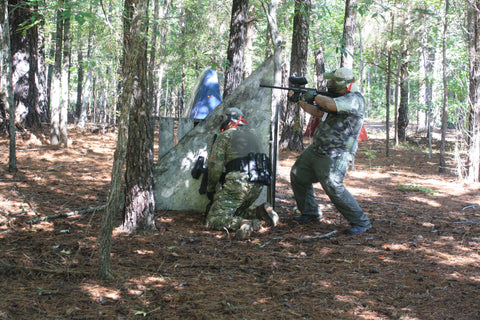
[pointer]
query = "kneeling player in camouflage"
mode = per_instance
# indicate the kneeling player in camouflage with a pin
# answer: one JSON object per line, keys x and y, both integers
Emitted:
{"x": 237, "y": 171}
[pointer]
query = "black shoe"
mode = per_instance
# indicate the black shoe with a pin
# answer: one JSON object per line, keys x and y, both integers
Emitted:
{"x": 355, "y": 230}
{"x": 304, "y": 218}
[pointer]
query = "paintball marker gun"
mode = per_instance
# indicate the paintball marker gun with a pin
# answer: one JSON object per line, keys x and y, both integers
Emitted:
{"x": 197, "y": 171}
{"x": 298, "y": 87}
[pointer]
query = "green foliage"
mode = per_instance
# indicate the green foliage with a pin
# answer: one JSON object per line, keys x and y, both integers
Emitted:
{"x": 197, "y": 33}
{"x": 371, "y": 154}
{"x": 416, "y": 188}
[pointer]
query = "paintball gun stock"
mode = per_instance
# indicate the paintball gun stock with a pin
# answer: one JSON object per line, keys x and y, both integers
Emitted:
{"x": 298, "y": 87}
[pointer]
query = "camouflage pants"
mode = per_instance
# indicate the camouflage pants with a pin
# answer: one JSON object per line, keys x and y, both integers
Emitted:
{"x": 313, "y": 167}
{"x": 231, "y": 204}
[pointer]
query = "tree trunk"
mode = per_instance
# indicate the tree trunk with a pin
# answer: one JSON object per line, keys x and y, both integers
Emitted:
{"x": 134, "y": 56}
{"x": 236, "y": 46}
{"x": 292, "y": 133}
{"x": 348, "y": 34}
{"x": 139, "y": 202}
{"x": 65, "y": 81}
{"x": 387, "y": 101}
{"x": 87, "y": 90}
{"x": 153, "y": 51}
{"x": 388, "y": 87}
{"x": 403, "y": 107}
{"x": 80, "y": 76}
{"x": 249, "y": 39}
{"x": 161, "y": 52}
{"x": 24, "y": 51}
{"x": 442, "y": 164}
{"x": 55, "y": 92}
{"x": 6, "y": 98}
{"x": 473, "y": 161}
{"x": 320, "y": 69}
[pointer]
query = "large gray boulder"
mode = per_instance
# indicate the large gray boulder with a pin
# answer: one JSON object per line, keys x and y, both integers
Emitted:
{"x": 175, "y": 189}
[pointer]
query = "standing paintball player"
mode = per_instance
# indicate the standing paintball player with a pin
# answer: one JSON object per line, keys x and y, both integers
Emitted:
{"x": 334, "y": 145}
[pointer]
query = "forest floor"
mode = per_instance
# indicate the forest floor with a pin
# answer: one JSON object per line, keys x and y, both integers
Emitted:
{"x": 421, "y": 260}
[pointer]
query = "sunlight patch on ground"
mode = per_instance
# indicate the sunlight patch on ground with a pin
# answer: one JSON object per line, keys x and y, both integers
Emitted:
{"x": 468, "y": 259}
{"x": 144, "y": 252}
{"x": 99, "y": 293}
{"x": 428, "y": 201}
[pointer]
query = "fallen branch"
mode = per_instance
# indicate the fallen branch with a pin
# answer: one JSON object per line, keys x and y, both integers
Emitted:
{"x": 66, "y": 214}
{"x": 305, "y": 239}
{"x": 321, "y": 236}
{"x": 392, "y": 203}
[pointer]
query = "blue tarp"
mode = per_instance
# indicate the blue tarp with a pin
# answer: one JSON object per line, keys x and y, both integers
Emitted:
{"x": 207, "y": 97}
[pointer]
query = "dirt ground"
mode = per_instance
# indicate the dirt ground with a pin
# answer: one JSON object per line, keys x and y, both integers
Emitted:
{"x": 420, "y": 261}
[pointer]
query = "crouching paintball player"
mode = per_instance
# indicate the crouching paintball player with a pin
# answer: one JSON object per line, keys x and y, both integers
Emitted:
{"x": 237, "y": 171}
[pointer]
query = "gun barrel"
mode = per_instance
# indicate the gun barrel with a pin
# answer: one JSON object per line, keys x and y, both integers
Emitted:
{"x": 275, "y": 87}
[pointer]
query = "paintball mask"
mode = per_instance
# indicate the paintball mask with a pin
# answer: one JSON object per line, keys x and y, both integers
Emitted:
{"x": 232, "y": 114}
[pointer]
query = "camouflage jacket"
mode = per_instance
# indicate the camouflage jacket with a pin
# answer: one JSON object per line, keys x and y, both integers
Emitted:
{"x": 230, "y": 144}
{"x": 339, "y": 132}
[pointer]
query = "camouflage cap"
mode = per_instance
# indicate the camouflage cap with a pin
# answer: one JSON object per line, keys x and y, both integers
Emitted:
{"x": 342, "y": 78}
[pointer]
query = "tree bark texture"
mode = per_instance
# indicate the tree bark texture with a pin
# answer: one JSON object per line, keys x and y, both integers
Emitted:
{"x": 80, "y": 76}
{"x": 55, "y": 92}
{"x": 139, "y": 202}
{"x": 6, "y": 98}
{"x": 65, "y": 82}
{"x": 115, "y": 201}
{"x": 320, "y": 69}
{"x": 473, "y": 162}
{"x": 25, "y": 55}
{"x": 403, "y": 107}
{"x": 293, "y": 115}
{"x": 442, "y": 161}
{"x": 236, "y": 46}
{"x": 348, "y": 43}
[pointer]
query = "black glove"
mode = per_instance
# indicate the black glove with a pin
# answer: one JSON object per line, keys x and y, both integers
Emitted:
{"x": 210, "y": 196}
{"x": 295, "y": 97}
{"x": 309, "y": 96}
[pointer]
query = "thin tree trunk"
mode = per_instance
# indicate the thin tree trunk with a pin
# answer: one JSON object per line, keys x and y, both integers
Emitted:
{"x": 292, "y": 133}
{"x": 387, "y": 101}
{"x": 403, "y": 108}
{"x": 348, "y": 34}
{"x": 320, "y": 69}
{"x": 249, "y": 39}
{"x": 65, "y": 81}
{"x": 397, "y": 93}
{"x": 442, "y": 165}
{"x": 80, "y": 76}
{"x": 55, "y": 93}
{"x": 153, "y": 50}
{"x": 6, "y": 75}
{"x": 473, "y": 161}
{"x": 236, "y": 46}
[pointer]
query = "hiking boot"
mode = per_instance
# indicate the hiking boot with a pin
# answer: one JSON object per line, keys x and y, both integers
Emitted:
{"x": 355, "y": 230}
{"x": 304, "y": 218}
{"x": 247, "y": 228}
{"x": 266, "y": 212}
